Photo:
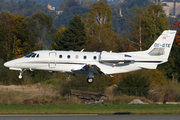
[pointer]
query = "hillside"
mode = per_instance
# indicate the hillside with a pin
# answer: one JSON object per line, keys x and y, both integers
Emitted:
{"x": 55, "y": 3}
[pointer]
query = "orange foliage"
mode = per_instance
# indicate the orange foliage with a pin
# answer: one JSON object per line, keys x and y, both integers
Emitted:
{"x": 177, "y": 37}
{"x": 61, "y": 29}
{"x": 157, "y": 78}
{"x": 128, "y": 48}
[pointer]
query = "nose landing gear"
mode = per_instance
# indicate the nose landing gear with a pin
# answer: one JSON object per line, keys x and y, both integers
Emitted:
{"x": 21, "y": 72}
{"x": 20, "y": 76}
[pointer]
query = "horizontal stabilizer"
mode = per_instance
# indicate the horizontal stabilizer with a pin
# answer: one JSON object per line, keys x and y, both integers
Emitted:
{"x": 157, "y": 51}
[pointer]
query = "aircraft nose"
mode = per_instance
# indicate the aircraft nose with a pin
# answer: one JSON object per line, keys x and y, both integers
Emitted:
{"x": 8, "y": 64}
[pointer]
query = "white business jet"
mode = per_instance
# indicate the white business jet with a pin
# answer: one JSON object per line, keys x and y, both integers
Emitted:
{"x": 96, "y": 63}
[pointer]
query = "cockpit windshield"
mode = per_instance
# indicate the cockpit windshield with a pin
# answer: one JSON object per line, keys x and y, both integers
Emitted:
{"x": 31, "y": 55}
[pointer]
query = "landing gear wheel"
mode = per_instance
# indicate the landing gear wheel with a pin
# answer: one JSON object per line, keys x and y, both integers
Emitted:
{"x": 20, "y": 76}
{"x": 90, "y": 80}
{"x": 21, "y": 72}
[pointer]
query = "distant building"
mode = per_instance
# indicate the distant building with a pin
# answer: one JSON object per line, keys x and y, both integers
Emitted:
{"x": 166, "y": 9}
{"x": 50, "y": 7}
{"x": 171, "y": 7}
{"x": 120, "y": 12}
{"x": 58, "y": 12}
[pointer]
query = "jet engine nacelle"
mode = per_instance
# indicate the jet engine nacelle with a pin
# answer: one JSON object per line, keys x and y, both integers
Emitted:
{"x": 114, "y": 58}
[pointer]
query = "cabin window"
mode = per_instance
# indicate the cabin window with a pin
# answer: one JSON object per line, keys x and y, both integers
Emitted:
{"x": 94, "y": 57}
{"x": 85, "y": 57}
{"x": 76, "y": 56}
{"x": 68, "y": 56}
{"x": 37, "y": 56}
{"x": 60, "y": 56}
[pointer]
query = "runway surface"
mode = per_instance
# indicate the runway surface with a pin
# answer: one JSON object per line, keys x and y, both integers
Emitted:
{"x": 89, "y": 117}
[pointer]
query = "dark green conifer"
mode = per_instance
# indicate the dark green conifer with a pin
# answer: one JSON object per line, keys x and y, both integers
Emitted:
{"x": 74, "y": 37}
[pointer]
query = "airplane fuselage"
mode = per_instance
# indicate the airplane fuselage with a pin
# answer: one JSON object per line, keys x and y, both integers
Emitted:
{"x": 96, "y": 63}
{"x": 68, "y": 61}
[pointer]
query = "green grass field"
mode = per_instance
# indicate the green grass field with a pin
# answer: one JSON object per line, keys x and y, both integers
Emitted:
{"x": 89, "y": 109}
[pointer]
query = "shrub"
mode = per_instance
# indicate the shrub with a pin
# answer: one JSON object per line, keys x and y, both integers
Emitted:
{"x": 135, "y": 83}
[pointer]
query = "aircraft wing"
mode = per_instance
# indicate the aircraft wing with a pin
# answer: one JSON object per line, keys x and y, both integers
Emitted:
{"x": 87, "y": 69}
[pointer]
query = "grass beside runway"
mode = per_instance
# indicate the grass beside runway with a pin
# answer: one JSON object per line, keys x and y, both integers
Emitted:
{"x": 89, "y": 109}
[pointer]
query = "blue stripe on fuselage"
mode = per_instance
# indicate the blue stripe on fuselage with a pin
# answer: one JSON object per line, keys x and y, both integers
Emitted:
{"x": 149, "y": 61}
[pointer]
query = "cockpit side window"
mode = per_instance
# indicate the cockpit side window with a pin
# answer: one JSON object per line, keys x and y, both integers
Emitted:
{"x": 32, "y": 55}
{"x": 29, "y": 55}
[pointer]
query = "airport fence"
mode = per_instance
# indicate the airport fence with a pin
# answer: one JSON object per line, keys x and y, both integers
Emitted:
{"x": 42, "y": 96}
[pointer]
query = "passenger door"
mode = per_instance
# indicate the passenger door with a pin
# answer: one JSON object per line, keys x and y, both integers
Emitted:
{"x": 52, "y": 59}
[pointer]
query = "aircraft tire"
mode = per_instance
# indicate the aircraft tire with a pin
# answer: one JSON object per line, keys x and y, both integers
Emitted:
{"x": 90, "y": 80}
{"x": 20, "y": 76}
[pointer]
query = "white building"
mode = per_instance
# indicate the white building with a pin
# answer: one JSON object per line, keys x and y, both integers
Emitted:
{"x": 50, "y": 7}
{"x": 59, "y": 12}
{"x": 171, "y": 7}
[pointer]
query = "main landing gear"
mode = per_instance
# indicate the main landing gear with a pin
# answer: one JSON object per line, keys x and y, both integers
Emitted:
{"x": 90, "y": 76}
{"x": 21, "y": 72}
{"x": 90, "y": 80}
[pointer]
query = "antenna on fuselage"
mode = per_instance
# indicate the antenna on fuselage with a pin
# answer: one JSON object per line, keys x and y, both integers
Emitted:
{"x": 82, "y": 50}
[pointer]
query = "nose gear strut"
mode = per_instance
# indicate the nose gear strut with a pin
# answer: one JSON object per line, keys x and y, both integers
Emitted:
{"x": 21, "y": 72}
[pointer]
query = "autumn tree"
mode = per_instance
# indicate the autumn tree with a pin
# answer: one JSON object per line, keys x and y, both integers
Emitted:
{"x": 69, "y": 4}
{"x": 177, "y": 37}
{"x": 99, "y": 28}
{"x": 44, "y": 26}
{"x": 147, "y": 24}
{"x": 72, "y": 38}
{"x": 58, "y": 38}
{"x": 134, "y": 83}
{"x": 155, "y": 22}
{"x": 11, "y": 33}
{"x": 29, "y": 34}
{"x": 137, "y": 27}
{"x": 20, "y": 35}
{"x": 171, "y": 68}
{"x": 122, "y": 11}
{"x": 86, "y": 4}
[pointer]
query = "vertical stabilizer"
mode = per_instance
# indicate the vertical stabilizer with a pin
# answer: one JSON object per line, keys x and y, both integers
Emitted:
{"x": 162, "y": 46}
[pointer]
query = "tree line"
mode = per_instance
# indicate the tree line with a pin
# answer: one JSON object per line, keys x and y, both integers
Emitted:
{"x": 94, "y": 31}
{"x": 72, "y": 7}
